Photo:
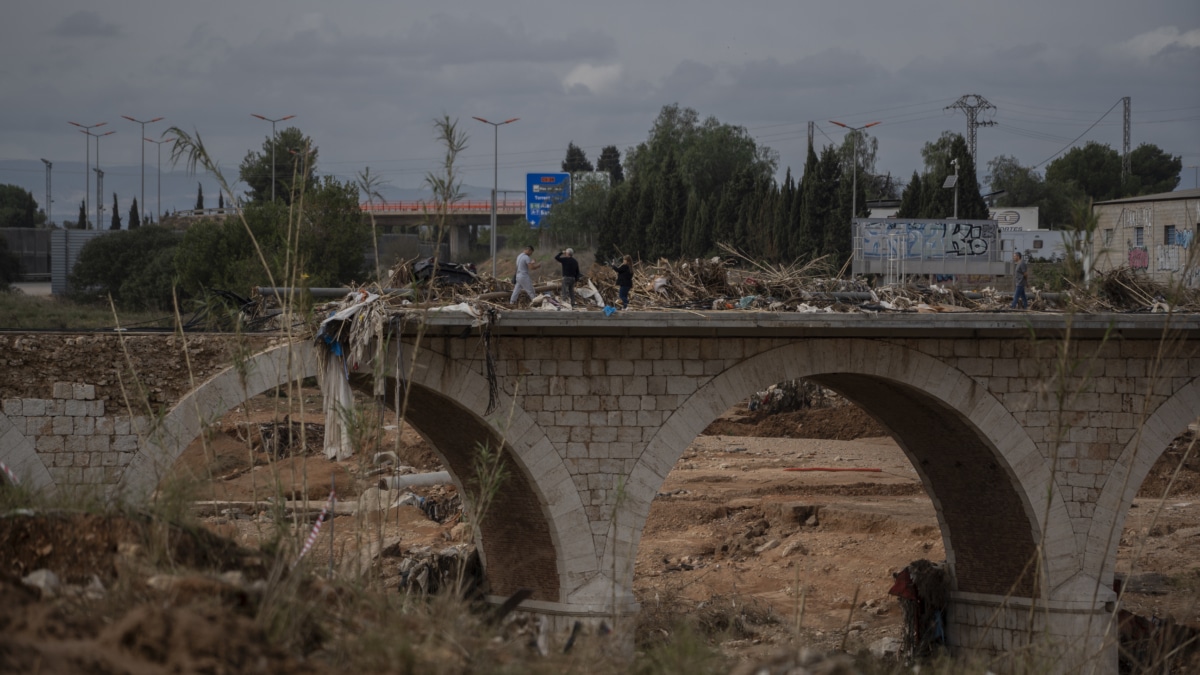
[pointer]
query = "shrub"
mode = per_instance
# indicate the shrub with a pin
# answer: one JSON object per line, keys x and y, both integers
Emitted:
{"x": 132, "y": 266}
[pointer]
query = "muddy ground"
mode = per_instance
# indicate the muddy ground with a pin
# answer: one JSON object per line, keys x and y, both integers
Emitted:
{"x": 760, "y": 556}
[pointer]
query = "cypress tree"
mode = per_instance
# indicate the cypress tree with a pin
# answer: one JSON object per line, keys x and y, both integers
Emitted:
{"x": 610, "y": 161}
{"x": 639, "y": 223}
{"x": 704, "y": 227}
{"x": 808, "y": 235}
{"x": 691, "y": 224}
{"x": 82, "y": 223}
{"x": 726, "y": 215}
{"x": 576, "y": 160}
{"x": 135, "y": 219}
{"x": 971, "y": 205}
{"x": 116, "y": 215}
{"x": 836, "y": 225}
{"x": 199, "y": 197}
{"x": 795, "y": 213}
{"x": 781, "y": 233}
{"x": 608, "y": 237}
{"x": 910, "y": 200}
{"x": 670, "y": 205}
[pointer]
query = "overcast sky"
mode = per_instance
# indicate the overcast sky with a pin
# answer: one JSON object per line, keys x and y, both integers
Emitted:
{"x": 366, "y": 79}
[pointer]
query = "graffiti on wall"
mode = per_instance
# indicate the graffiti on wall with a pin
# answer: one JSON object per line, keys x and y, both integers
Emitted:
{"x": 1174, "y": 257}
{"x": 1191, "y": 277}
{"x": 1184, "y": 237}
{"x": 1137, "y": 217}
{"x": 1169, "y": 258}
{"x": 1139, "y": 258}
{"x": 929, "y": 240}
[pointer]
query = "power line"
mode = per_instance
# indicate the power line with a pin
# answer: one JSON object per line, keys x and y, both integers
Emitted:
{"x": 1076, "y": 139}
{"x": 1030, "y": 133}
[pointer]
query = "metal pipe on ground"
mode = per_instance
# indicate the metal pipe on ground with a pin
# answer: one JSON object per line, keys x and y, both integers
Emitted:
{"x": 322, "y": 292}
{"x": 415, "y": 480}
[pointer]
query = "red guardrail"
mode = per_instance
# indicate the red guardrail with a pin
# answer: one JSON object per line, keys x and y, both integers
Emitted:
{"x": 471, "y": 206}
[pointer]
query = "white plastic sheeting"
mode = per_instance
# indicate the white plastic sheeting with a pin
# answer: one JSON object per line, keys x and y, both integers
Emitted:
{"x": 335, "y": 387}
{"x": 334, "y": 376}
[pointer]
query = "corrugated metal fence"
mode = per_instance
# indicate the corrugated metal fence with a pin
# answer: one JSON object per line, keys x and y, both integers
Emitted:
{"x": 65, "y": 246}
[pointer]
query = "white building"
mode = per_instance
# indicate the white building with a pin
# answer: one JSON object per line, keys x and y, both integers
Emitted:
{"x": 1153, "y": 235}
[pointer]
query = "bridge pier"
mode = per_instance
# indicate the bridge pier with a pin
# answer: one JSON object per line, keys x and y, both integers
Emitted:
{"x": 1021, "y": 635}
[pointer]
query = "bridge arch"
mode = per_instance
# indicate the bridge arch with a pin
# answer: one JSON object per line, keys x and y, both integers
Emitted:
{"x": 990, "y": 486}
{"x": 167, "y": 438}
{"x": 538, "y": 536}
{"x": 1168, "y": 420}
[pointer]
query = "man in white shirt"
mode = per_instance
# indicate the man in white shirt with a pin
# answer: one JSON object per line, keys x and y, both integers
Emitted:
{"x": 525, "y": 264}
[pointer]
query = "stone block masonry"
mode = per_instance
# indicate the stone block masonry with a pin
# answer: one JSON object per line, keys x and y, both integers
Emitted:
{"x": 81, "y": 444}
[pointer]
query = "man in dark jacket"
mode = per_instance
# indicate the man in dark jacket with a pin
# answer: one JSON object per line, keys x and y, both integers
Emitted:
{"x": 570, "y": 273}
{"x": 624, "y": 270}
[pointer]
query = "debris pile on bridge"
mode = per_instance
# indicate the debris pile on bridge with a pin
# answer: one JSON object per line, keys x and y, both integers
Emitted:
{"x": 734, "y": 281}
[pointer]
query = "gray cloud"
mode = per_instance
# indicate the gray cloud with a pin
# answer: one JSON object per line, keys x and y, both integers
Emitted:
{"x": 85, "y": 23}
{"x": 366, "y": 80}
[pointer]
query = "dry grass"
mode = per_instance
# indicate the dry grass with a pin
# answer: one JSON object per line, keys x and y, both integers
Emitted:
{"x": 20, "y": 311}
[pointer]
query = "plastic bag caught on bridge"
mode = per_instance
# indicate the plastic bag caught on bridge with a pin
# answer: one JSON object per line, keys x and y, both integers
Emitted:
{"x": 336, "y": 343}
{"x": 335, "y": 387}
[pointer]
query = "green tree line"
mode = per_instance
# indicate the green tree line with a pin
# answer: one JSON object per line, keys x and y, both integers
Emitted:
{"x": 315, "y": 226}
{"x": 695, "y": 184}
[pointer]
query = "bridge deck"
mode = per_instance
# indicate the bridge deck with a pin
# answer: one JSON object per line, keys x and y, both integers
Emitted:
{"x": 686, "y": 324}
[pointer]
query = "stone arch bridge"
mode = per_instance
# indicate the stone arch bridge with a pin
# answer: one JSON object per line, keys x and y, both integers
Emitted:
{"x": 1031, "y": 432}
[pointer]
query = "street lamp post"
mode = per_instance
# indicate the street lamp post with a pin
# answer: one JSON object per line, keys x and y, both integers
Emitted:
{"x": 854, "y": 167}
{"x": 495, "y": 178}
{"x": 49, "y": 165}
{"x": 158, "y": 183}
{"x": 99, "y": 196}
{"x": 268, "y": 119}
{"x": 100, "y": 180}
{"x": 87, "y": 170}
{"x": 156, "y": 119}
{"x": 1195, "y": 176}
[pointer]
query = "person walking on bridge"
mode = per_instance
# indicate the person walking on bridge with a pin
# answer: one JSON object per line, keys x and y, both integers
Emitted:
{"x": 1022, "y": 280}
{"x": 570, "y": 274}
{"x": 523, "y": 282}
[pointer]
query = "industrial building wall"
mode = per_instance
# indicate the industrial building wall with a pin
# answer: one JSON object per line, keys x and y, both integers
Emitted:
{"x": 32, "y": 248}
{"x": 1156, "y": 238}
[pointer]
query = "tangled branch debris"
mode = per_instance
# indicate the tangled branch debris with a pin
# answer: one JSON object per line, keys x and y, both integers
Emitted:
{"x": 734, "y": 281}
